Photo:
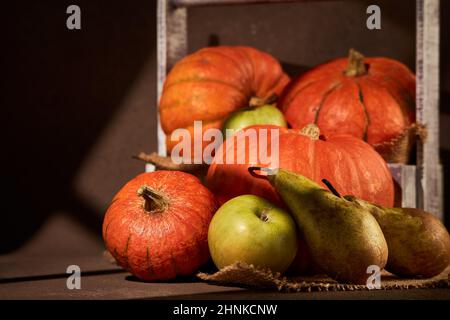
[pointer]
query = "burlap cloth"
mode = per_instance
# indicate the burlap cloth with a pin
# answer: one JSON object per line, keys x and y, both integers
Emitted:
{"x": 247, "y": 276}
{"x": 397, "y": 150}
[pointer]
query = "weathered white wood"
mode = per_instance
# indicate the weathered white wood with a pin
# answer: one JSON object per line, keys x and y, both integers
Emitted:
{"x": 198, "y": 3}
{"x": 171, "y": 46}
{"x": 149, "y": 167}
{"x": 161, "y": 68}
{"x": 405, "y": 176}
{"x": 429, "y": 179}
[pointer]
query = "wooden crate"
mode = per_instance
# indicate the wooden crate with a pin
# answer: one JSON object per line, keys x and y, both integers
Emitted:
{"x": 421, "y": 184}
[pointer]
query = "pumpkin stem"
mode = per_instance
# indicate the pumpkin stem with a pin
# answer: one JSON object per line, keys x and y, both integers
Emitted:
{"x": 355, "y": 66}
{"x": 331, "y": 188}
{"x": 311, "y": 130}
{"x": 259, "y": 102}
{"x": 166, "y": 163}
{"x": 153, "y": 201}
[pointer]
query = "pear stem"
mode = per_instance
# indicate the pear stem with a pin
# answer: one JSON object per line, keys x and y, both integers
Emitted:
{"x": 268, "y": 172}
{"x": 331, "y": 188}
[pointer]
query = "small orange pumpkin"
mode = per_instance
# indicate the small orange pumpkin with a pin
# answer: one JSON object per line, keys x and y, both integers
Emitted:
{"x": 157, "y": 225}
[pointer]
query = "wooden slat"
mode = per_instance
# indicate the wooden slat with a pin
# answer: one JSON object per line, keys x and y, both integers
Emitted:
{"x": 171, "y": 46}
{"x": 122, "y": 286}
{"x": 21, "y": 267}
{"x": 405, "y": 176}
{"x": 202, "y": 3}
{"x": 429, "y": 178}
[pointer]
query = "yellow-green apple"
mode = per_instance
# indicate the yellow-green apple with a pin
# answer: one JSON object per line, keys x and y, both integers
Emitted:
{"x": 250, "y": 229}
{"x": 266, "y": 114}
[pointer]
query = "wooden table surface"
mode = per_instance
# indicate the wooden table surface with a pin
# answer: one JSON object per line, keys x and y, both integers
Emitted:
{"x": 41, "y": 277}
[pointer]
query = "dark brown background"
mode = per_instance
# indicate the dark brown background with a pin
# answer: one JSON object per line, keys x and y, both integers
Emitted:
{"x": 80, "y": 103}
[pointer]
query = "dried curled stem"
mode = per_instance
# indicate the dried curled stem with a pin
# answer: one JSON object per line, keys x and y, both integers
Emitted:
{"x": 166, "y": 163}
{"x": 258, "y": 102}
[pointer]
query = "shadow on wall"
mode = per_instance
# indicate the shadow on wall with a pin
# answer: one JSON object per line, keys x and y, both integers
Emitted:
{"x": 291, "y": 69}
{"x": 64, "y": 87}
{"x": 445, "y": 104}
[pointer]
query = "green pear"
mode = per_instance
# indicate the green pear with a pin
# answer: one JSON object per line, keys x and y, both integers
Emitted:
{"x": 419, "y": 244}
{"x": 303, "y": 263}
{"x": 342, "y": 235}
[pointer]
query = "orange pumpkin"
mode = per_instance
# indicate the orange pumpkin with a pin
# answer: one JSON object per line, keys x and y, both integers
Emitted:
{"x": 213, "y": 82}
{"x": 350, "y": 164}
{"x": 157, "y": 225}
{"x": 370, "y": 98}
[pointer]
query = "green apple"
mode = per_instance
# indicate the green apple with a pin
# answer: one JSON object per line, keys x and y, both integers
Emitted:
{"x": 250, "y": 229}
{"x": 266, "y": 114}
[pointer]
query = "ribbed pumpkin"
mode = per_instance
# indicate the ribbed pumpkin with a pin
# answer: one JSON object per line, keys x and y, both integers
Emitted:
{"x": 157, "y": 225}
{"x": 369, "y": 98}
{"x": 350, "y": 164}
{"x": 213, "y": 82}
